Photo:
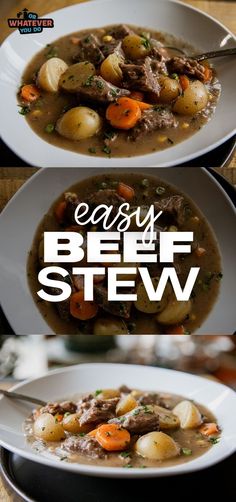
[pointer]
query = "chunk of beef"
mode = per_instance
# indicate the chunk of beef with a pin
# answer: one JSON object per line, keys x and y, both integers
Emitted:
{"x": 117, "y": 308}
{"x": 121, "y": 31}
{"x": 149, "y": 398}
{"x": 151, "y": 120}
{"x": 84, "y": 445}
{"x": 84, "y": 403}
{"x": 89, "y": 50}
{"x": 173, "y": 209}
{"x": 63, "y": 307}
{"x": 188, "y": 66}
{"x": 138, "y": 421}
{"x": 114, "y": 46}
{"x": 140, "y": 77}
{"x": 98, "y": 89}
{"x": 110, "y": 198}
{"x": 100, "y": 410}
{"x": 59, "y": 408}
{"x": 124, "y": 389}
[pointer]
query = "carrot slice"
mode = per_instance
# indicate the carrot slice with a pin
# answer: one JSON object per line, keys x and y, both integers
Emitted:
{"x": 184, "y": 82}
{"x": 176, "y": 330}
{"x": 112, "y": 437}
{"x": 143, "y": 106}
{"x": 81, "y": 309}
{"x": 124, "y": 114}
{"x": 60, "y": 211}
{"x": 207, "y": 74}
{"x": 30, "y": 93}
{"x": 209, "y": 429}
{"x": 125, "y": 191}
{"x": 136, "y": 95}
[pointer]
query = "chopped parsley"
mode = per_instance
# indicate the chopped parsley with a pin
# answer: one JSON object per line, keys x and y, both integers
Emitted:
{"x": 146, "y": 42}
{"x": 88, "y": 82}
{"x": 214, "y": 440}
{"x": 82, "y": 434}
{"x": 186, "y": 451}
{"x": 49, "y": 128}
{"x": 106, "y": 149}
{"x": 160, "y": 190}
{"x": 99, "y": 84}
{"x": 114, "y": 92}
{"x": 175, "y": 76}
{"x": 125, "y": 454}
{"x": 109, "y": 134}
{"x": 52, "y": 53}
{"x": 127, "y": 466}
{"x": 145, "y": 183}
{"x": 24, "y": 109}
{"x": 97, "y": 392}
{"x": 63, "y": 458}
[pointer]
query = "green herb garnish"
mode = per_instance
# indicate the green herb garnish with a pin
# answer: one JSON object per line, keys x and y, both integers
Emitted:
{"x": 214, "y": 440}
{"x": 106, "y": 149}
{"x": 160, "y": 190}
{"x": 125, "y": 454}
{"x": 49, "y": 128}
{"x": 23, "y": 109}
{"x": 97, "y": 392}
{"x": 52, "y": 53}
{"x": 186, "y": 451}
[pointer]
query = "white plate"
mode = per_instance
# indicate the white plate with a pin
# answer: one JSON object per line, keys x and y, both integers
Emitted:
{"x": 202, "y": 31}
{"x": 220, "y": 400}
{"x": 22, "y": 215}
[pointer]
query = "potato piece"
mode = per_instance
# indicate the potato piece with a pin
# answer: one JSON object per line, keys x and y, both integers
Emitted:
{"x": 143, "y": 304}
{"x": 50, "y": 73}
{"x": 170, "y": 89}
{"x": 193, "y": 100}
{"x": 126, "y": 404}
{"x": 76, "y": 76}
{"x": 175, "y": 312}
{"x": 71, "y": 424}
{"x": 136, "y": 47}
{"x": 157, "y": 446}
{"x": 108, "y": 394}
{"x": 79, "y": 123}
{"x": 167, "y": 419}
{"x": 47, "y": 428}
{"x": 110, "y": 326}
{"x": 110, "y": 69}
{"x": 188, "y": 414}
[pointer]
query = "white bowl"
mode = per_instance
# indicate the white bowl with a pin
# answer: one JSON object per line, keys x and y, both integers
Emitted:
{"x": 181, "y": 20}
{"x": 20, "y": 219}
{"x": 66, "y": 382}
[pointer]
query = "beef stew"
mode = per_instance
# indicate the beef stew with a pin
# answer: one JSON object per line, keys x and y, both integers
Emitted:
{"x": 123, "y": 427}
{"x": 117, "y": 91}
{"x": 102, "y": 317}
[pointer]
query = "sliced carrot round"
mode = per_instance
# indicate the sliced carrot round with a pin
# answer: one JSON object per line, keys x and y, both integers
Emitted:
{"x": 124, "y": 114}
{"x": 30, "y": 93}
{"x": 81, "y": 309}
{"x": 112, "y": 437}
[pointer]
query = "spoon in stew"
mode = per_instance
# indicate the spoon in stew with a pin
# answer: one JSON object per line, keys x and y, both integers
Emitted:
{"x": 22, "y": 397}
{"x": 208, "y": 55}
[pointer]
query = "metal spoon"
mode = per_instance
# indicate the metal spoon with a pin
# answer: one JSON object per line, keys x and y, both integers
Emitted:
{"x": 215, "y": 54}
{"x": 15, "y": 395}
{"x": 207, "y": 55}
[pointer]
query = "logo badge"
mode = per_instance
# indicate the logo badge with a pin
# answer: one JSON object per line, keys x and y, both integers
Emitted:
{"x": 29, "y": 22}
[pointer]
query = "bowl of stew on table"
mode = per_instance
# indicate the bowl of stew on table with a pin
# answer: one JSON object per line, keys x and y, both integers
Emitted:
{"x": 134, "y": 91}
{"x": 104, "y": 317}
{"x": 144, "y": 427}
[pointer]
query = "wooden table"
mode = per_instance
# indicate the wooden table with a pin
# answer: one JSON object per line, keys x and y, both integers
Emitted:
{"x": 223, "y": 11}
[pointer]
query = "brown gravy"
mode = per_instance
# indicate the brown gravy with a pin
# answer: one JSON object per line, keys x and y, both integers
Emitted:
{"x": 51, "y": 106}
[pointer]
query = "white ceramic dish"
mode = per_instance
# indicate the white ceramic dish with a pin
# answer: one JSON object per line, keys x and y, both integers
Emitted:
{"x": 22, "y": 215}
{"x": 183, "y": 21}
{"x": 87, "y": 377}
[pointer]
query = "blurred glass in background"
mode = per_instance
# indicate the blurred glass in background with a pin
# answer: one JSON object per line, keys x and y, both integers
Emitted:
{"x": 30, "y": 356}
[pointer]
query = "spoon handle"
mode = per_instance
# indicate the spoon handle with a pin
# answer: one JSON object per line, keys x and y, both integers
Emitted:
{"x": 15, "y": 395}
{"x": 216, "y": 54}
